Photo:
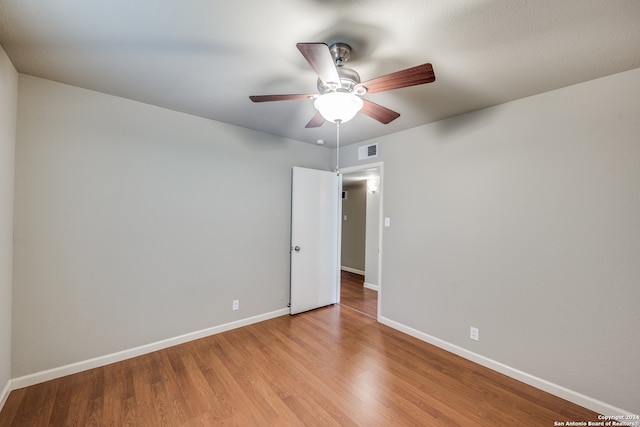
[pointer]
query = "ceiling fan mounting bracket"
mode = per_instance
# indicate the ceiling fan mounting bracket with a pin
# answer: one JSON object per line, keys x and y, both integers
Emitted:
{"x": 341, "y": 52}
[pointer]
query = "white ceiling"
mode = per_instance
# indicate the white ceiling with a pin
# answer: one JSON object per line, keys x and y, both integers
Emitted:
{"x": 205, "y": 57}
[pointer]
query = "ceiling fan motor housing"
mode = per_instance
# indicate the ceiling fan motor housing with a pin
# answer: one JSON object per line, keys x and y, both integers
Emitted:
{"x": 349, "y": 78}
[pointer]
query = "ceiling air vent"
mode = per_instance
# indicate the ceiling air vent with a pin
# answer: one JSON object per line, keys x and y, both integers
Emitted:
{"x": 367, "y": 151}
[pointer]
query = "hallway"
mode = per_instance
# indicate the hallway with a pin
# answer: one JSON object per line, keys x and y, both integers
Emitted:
{"x": 355, "y": 296}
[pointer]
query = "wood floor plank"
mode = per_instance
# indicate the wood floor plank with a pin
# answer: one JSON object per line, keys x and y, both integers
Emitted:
{"x": 355, "y": 296}
{"x": 12, "y": 405}
{"x": 142, "y": 384}
{"x": 332, "y": 366}
{"x": 113, "y": 382}
{"x": 258, "y": 383}
{"x": 178, "y": 404}
{"x": 294, "y": 378}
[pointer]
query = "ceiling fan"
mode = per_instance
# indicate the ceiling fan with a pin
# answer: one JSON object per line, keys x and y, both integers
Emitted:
{"x": 340, "y": 89}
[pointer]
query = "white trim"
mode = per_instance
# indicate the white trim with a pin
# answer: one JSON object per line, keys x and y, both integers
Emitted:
{"x": 372, "y": 287}
{"x": 96, "y": 362}
{"x": 539, "y": 383}
{"x": 352, "y": 270}
{"x": 4, "y": 395}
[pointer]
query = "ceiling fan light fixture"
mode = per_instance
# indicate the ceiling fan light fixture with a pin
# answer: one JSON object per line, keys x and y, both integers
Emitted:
{"x": 340, "y": 90}
{"x": 342, "y": 106}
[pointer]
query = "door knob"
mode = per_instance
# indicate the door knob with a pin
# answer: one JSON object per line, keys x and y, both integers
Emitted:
{"x": 297, "y": 249}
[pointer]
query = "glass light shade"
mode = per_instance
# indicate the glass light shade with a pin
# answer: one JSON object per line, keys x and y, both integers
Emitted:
{"x": 336, "y": 106}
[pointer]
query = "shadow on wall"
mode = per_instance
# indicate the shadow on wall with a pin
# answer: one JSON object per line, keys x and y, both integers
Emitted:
{"x": 463, "y": 124}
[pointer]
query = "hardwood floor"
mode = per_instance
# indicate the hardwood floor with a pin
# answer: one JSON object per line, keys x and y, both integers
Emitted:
{"x": 331, "y": 366}
{"x": 355, "y": 296}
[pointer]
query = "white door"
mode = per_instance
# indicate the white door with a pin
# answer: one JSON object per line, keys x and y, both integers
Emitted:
{"x": 315, "y": 250}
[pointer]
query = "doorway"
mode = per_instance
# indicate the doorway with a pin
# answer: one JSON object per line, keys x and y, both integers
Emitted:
{"x": 361, "y": 239}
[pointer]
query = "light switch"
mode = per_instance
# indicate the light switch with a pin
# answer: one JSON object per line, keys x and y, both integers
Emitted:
{"x": 345, "y": 217}
{"x": 387, "y": 222}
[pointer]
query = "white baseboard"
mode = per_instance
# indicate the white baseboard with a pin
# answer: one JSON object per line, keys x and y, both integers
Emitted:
{"x": 372, "y": 287}
{"x": 562, "y": 392}
{"x": 352, "y": 270}
{"x": 4, "y": 394}
{"x": 96, "y": 362}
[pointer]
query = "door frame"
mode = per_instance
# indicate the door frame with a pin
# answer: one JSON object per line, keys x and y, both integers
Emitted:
{"x": 360, "y": 168}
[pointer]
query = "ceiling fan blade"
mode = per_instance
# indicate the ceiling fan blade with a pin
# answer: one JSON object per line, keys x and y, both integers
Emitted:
{"x": 320, "y": 59}
{"x": 267, "y": 98}
{"x": 316, "y": 121}
{"x": 413, "y": 76}
{"x": 378, "y": 112}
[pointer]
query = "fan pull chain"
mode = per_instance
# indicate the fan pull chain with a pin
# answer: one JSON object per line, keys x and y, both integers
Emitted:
{"x": 338, "y": 147}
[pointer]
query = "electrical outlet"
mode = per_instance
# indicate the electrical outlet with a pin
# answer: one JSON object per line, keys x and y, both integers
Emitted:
{"x": 236, "y": 305}
{"x": 474, "y": 334}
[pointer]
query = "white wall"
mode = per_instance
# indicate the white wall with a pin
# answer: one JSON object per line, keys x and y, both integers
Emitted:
{"x": 135, "y": 224}
{"x": 524, "y": 220}
{"x": 8, "y": 106}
